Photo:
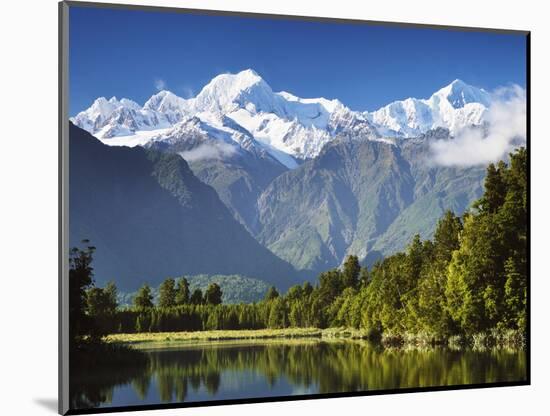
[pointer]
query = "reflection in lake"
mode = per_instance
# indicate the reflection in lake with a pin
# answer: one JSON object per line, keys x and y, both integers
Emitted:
{"x": 229, "y": 370}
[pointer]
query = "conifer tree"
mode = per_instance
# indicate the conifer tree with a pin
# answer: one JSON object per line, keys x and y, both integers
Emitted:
{"x": 182, "y": 291}
{"x": 111, "y": 294}
{"x": 271, "y": 294}
{"x": 167, "y": 293}
{"x": 196, "y": 297}
{"x": 80, "y": 280}
{"x": 213, "y": 294}
{"x": 144, "y": 298}
{"x": 307, "y": 289}
{"x": 350, "y": 272}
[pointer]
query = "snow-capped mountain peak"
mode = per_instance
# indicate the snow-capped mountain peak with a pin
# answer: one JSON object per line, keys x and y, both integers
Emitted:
{"x": 228, "y": 92}
{"x": 458, "y": 94}
{"x": 453, "y": 107}
{"x": 246, "y": 109}
{"x": 229, "y": 84}
{"x": 103, "y": 107}
{"x": 165, "y": 101}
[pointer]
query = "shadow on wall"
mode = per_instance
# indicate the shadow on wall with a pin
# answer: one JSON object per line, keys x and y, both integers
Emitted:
{"x": 49, "y": 404}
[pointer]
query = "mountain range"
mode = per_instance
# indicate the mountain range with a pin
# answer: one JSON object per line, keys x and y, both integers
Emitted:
{"x": 243, "y": 106}
{"x": 309, "y": 179}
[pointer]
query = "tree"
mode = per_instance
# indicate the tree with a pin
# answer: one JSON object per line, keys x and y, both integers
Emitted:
{"x": 386, "y": 295}
{"x": 144, "y": 298}
{"x": 213, "y": 294}
{"x": 296, "y": 314}
{"x": 432, "y": 316}
{"x": 167, "y": 293}
{"x": 271, "y": 294}
{"x": 330, "y": 285}
{"x": 97, "y": 302}
{"x": 364, "y": 276}
{"x": 196, "y": 297}
{"x": 307, "y": 289}
{"x": 415, "y": 259}
{"x": 277, "y": 314}
{"x": 111, "y": 294}
{"x": 182, "y": 292}
{"x": 446, "y": 237}
{"x": 339, "y": 311}
{"x": 80, "y": 280}
{"x": 471, "y": 270}
{"x": 358, "y": 305}
{"x": 430, "y": 306}
{"x": 351, "y": 270}
{"x": 516, "y": 177}
{"x": 516, "y": 294}
{"x": 315, "y": 313}
{"x": 495, "y": 189}
{"x": 294, "y": 293}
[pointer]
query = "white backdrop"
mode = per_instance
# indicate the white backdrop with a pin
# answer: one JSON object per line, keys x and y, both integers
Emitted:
{"x": 28, "y": 208}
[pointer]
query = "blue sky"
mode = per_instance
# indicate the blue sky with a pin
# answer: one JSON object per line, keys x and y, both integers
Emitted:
{"x": 131, "y": 54}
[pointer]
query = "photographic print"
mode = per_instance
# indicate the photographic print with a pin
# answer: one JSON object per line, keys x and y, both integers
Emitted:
{"x": 260, "y": 208}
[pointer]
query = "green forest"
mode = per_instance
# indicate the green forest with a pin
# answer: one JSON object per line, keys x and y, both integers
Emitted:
{"x": 469, "y": 280}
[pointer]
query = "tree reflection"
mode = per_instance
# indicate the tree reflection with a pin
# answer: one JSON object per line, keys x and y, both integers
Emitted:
{"x": 327, "y": 367}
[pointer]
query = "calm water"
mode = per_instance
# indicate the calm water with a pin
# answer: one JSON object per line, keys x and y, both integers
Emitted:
{"x": 229, "y": 370}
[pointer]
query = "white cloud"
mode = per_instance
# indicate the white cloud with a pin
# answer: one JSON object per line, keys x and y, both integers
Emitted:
{"x": 209, "y": 151}
{"x": 506, "y": 129}
{"x": 160, "y": 84}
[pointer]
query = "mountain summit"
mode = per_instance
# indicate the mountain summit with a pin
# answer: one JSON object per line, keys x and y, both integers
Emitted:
{"x": 229, "y": 92}
{"x": 454, "y": 107}
{"x": 459, "y": 94}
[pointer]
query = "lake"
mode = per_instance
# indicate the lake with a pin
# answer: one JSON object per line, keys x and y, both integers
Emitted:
{"x": 255, "y": 369}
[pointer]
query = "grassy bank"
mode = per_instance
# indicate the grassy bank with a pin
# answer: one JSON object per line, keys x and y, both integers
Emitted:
{"x": 491, "y": 339}
{"x": 217, "y": 335}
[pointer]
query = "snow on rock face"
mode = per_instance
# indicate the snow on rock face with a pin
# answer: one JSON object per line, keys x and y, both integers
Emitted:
{"x": 111, "y": 118}
{"x": 459, "y": 94}
{"x": 454, "y": 107}
{"x": 244, "y": 109}
{"x": 228, "y": 92}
